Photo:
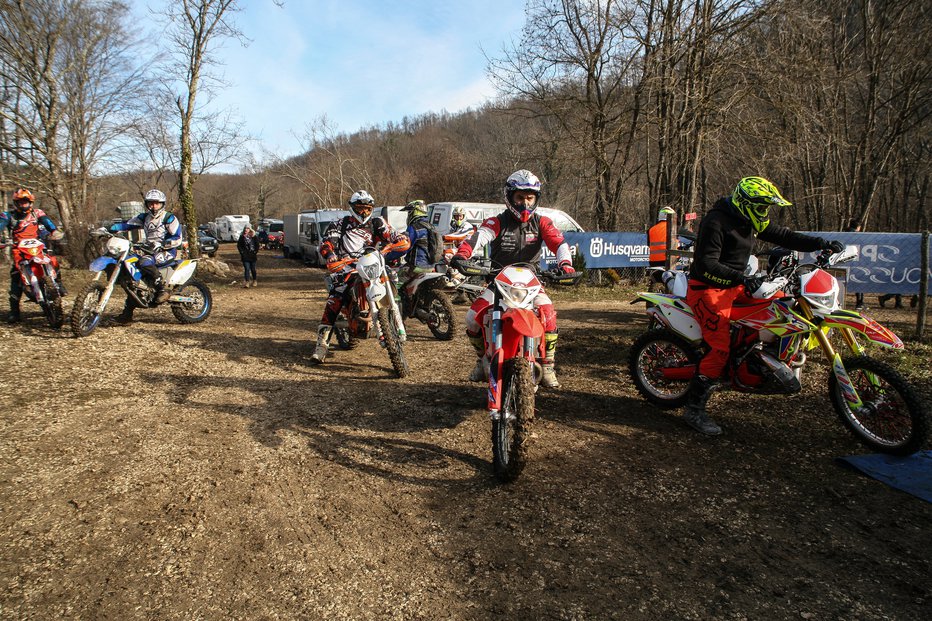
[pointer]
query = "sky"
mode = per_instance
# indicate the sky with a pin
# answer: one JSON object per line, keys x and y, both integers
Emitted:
{"x": 362, "y": 63}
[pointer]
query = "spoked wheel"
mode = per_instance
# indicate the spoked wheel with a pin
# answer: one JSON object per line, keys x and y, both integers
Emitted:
{"x": 509, "y": 430}
{"x": 892, "y": 419}
{"x": 661, "y": 364}
{"x": 393, "y": 344}
{"x": 441, "y": 318}
{"x": 52, "y": 308}
{"x": 198, "y": 309}
{"x": 84, "y": 315}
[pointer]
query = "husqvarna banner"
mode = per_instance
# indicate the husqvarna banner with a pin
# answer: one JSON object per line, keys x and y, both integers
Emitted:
{"x": 887, "y": 262}
{"x": 604, "y": 250}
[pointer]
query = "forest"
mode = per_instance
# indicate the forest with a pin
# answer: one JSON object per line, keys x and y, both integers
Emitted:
{"x": 620, "y": 106}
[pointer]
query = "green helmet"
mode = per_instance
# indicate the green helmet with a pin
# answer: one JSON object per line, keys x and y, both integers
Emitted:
{"x": 416, "y": 209}
{"x": 753, "y": 198}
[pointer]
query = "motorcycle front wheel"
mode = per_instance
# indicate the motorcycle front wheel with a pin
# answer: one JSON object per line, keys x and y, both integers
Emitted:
{"x": 441, "y": 318}
{"x": 84, "y": 315}
{"x": 197, "y": 310}
{"x": 393, "y": 344}
{"x": 653, "y": 358}
{"x": 52, "y": 307}
{"x": 892, "y": 419}
{"x": 509, "y": 430}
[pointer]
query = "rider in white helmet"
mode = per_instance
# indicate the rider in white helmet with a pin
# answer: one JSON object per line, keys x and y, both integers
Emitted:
{"x": 516, "y": 235}
{"x": 163, "y": 238}
{"x": 347, "y": 237}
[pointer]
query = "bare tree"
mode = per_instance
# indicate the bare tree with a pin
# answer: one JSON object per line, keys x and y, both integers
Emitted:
{"x": 195, "y": 27}
{"x": 67, "y": 68}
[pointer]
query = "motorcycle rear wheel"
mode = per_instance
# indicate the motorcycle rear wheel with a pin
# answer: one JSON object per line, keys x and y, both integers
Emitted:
{"x": 393, "y": 344}
{"x": 893, "y": 419}
{"x": 197, "y": 311}
{"x": 52, "y": 307}
{"x": 509, "y": 432}
{"x": 651, "y": 353}
{"x": 441, "y": 320}
{"x": 84, "y": 315}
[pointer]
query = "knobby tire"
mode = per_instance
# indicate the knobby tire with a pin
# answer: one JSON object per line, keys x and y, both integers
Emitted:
{"x": 509, "y": 432}
{"x": 393, "y": 344}
{"x": 84, "y": 318}
{"x": 654, "y": 351}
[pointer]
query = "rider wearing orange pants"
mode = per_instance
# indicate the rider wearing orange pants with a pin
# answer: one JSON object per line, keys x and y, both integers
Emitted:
{"x": 717, "y": 283}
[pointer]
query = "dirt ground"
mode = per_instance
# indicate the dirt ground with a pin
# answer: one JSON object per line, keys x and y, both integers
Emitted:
{"x": 211, "y": 472}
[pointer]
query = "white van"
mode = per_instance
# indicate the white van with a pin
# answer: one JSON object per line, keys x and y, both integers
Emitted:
{"x": 229, "y": 228}
{"x": 291, "y": 224}
{"x": 313, "y": 229}
{"x": 440, "y": 214}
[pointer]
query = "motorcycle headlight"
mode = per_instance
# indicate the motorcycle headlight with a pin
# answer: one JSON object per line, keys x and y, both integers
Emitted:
{"x": 116, "y": 246}
{"x": 517, "y": 297}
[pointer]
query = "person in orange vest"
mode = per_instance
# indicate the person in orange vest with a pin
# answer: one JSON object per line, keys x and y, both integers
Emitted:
{"x": 657, "y": 237}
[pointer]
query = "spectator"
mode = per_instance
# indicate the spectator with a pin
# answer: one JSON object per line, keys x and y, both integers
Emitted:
{"x": 886, "y": 298}
{"x": 248, "y": 246}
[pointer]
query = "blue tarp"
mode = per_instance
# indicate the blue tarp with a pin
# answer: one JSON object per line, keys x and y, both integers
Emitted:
{"x": 912, "y": 474}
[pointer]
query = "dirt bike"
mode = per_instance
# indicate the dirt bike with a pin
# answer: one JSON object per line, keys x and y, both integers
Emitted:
{"x": 370, "y": 298}
{"x": 38, "y": 273}
{"x": 514, "y": 341}
{"x": 769, "y": 344}
{"x": 423, "y": 297}
{"x": 190, "y": 299}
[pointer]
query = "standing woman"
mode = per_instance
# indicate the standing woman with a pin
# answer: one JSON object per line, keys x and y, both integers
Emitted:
{"x": 248, "y": 246}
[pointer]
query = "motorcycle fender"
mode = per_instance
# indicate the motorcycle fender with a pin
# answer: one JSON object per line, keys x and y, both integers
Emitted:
{"x": 183, "y": 273}
{"x": 100, "y": 263}
{"x": 518, "y": 323}
{"x": 673, "y": 312}
{"x": 375, "y": 290}
{"x": 865, "y": 325}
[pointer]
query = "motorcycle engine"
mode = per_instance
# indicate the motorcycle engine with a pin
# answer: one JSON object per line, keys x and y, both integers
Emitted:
{"x": 761, "y": 372}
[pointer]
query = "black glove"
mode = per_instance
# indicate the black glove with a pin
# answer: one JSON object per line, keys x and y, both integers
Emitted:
{"x": 834, "y": 245}
{"x": 753, "y": 283}
{"x": 459, "y": 264}
{"x": 152, "y": 247}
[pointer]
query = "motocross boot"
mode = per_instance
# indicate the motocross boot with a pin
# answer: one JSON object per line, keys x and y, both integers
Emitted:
{"x": 14, "y": 316}
{"x": 323, "y": 344}
{"x": 700, "y": 389}
{"x": 161, "y": 295}
{"x": 480, "y": 372}
{"x": 548, "y": 377}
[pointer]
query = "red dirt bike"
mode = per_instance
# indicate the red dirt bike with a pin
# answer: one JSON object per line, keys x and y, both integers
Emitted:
{"x": 769, "y": 341}
{"x": 513, "y": 336}
{"x": 371, "y": 298}
{"x": 38, "y": 273}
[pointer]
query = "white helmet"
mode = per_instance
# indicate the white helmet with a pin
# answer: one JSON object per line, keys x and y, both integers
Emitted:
{"x": 666, "y": 213}
{"x": 525, "y": 181}
{"x": 358, "y": 202}
{"x": 155, "y": 196}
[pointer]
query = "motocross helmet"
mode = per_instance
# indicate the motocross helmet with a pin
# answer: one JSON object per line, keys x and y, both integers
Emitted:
{"x": 361, "y": 204}
{"x": 665, "y": 213}
{"x": 155, "y": 201}
{"x": 753, "y": 198}
{"x": 458, "y": 216}
{"x": 23, "y": 200}
{"x": 522, "y": 181}
{"x": 416, "y": 209}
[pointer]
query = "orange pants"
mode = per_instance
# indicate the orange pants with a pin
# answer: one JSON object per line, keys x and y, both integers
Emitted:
{"x": 713, "y": 308}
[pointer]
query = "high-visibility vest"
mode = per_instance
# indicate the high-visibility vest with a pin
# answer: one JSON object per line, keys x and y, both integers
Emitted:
{"x": 657, "y": 241}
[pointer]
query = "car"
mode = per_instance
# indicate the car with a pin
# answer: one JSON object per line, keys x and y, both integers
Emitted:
{"x": 207, "y": 243}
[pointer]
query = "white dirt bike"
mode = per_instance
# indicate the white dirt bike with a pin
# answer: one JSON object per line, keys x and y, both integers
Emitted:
{"x": 769, "y": 345}
{"x": 190, "y": 299}
{"x": 423, "y": 297}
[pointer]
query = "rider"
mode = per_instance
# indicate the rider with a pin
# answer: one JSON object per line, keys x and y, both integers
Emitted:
{"x": 516, "y": 236}
{"x": 163, "y": 238}
{"x": 22, "y": 222}
{"x": 459, "y": 227}
{"x": 717, "y": 281}
{"x": 418, "y": 231}
{"x": 347, "y": 237}
{"x": 657, "y": 237}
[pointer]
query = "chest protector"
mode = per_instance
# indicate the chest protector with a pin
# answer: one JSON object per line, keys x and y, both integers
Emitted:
{"x": 517, "y": 242}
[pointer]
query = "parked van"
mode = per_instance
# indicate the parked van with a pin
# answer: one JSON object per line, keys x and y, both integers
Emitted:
{"x": 397, "y": 218}
{"x": 292, "y": 224}
{"x": 440, "y": 214}
{"x": 229, "y": 228}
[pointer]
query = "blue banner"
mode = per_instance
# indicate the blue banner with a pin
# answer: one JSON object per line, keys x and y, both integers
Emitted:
{"x": 887, "y": 262}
